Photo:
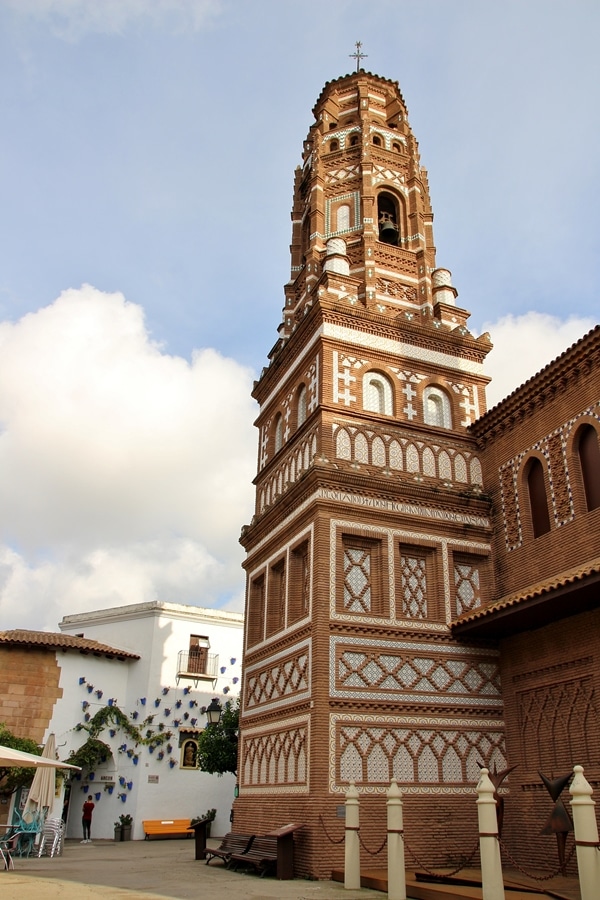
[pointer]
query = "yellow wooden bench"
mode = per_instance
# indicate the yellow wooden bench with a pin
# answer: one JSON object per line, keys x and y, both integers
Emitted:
{"x": 167, "y": 828}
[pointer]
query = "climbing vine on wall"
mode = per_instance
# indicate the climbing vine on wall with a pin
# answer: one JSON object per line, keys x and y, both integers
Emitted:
{"x": 94, "y": 751}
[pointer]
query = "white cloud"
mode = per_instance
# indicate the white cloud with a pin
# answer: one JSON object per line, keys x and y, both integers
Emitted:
{"x": 72, "y": 19}
{"x": 125, "y": 473}
{"x": 525, "y": 344}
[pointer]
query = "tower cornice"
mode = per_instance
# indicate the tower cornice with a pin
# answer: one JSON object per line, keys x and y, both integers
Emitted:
{"x": 418, "y": 332}
{"x": 325, "y": 480}
{"x": 360, "y": 77}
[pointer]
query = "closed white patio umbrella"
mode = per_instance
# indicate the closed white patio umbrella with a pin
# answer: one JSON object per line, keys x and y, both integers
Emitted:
{"x": 41, "y": 792}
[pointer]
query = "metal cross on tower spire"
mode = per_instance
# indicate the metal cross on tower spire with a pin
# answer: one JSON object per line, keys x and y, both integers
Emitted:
{"x": 358, "y": 56}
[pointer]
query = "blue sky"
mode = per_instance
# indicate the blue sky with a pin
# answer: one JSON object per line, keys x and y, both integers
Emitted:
{"x": 147, "y": 149}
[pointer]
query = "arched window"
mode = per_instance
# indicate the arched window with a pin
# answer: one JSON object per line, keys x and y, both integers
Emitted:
{"x": 377, "y": 140}
{"x": 396, "y": 147}
{"x": 343, "y": 217}
{"x": 589, "y": 460}
{"x": 388, "y": 218}
{"x": 538, "y": 503}
{"x": 354, "y": 140}
{"x": 436, "y": 408}
{"x": 278, "y": 432}
{"x": 377, "y": 394}
{"x": 333, "y": 146}
{"x": 301, "y": 404}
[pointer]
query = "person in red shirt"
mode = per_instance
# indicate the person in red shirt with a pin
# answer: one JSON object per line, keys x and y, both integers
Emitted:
{"x": 86, "y": 821}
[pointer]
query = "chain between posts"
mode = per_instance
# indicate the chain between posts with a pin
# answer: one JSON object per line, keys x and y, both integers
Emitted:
{"x": 520, "y": 868}
{"x": 328, "y": 836}
{"x": 467, "y": 862}
{"x": 372, "y": 852}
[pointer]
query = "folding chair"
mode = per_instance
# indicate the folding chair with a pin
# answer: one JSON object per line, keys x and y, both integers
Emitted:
{"x": 51, "y": 842}
{"x": 8, "y": 846}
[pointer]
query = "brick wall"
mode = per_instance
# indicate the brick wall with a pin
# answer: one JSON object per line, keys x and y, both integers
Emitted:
{"x": 29, "y": 687}
{"x": 550, "y": 681}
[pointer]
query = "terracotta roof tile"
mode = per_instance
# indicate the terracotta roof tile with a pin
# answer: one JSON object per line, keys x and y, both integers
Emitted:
{"x": 20, "y": 637}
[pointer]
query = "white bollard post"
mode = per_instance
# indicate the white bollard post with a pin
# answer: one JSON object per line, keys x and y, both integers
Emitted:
{"x": 352, "y": 844}
{"x": 395, "y": 842}
{"x": 586, "y": 835}
{"x": 489, "y": 848}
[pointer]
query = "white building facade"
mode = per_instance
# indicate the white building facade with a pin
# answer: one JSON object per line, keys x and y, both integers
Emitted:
{"x": 187, "y": 656}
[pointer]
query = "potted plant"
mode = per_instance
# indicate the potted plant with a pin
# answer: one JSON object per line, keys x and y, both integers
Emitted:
{"x": 118, "y": 832}
{"x": 126, "y": 822}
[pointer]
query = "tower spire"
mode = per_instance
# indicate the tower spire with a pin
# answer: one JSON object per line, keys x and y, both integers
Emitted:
{"x": 358, "y": 56}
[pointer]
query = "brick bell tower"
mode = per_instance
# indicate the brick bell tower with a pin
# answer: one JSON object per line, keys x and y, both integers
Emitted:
{"x": 371, "y": 532}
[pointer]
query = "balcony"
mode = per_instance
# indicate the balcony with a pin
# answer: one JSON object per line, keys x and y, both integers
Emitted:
{"x": 197, "y": 665}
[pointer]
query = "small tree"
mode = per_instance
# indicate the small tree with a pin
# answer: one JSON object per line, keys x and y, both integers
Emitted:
{"x": 218, "y": 744}
{"x": 14, "y": 777}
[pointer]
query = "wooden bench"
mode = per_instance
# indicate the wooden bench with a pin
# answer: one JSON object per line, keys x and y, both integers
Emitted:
{"x": 167, "y": 828}
{"x": 231, "y": 843}
{"x": 261, "y": 855}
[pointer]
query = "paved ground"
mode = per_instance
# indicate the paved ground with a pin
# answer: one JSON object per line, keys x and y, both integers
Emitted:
{"x": 167, "y": 870}
{"x": 141, "y": 870}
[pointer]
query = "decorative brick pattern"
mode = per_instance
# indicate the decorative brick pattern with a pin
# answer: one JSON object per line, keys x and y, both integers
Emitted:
{"x": 412, "y": 672}
{"x": 391, "y": 449}
{"x": 467, "y": 586}
{"x": 310, "y": 378}
{"x": 563, "y": 501}
{"x": 386, "y": 288}
{"x": 368, "y": 341}
{"x": 276, "y": 758}
{"x": 511, "y": 515}
{"x": 391, "y": 538}
{"x": 553, "y": 448}
{"x": 294, "y": 462}
{"x": 384, "y": 174}
{"x": 353, "y": 200}
{"x": 423, "y": 754}
{"x": 357, "y": 579}
{"x": 285, "y": 677}
{"x": 558, "y": 723}
{"x": 395, "y": 258}
{"x": 414, "y": 587}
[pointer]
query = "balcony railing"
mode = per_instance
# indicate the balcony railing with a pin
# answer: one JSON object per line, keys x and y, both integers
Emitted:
{"x": 197, "y": 666}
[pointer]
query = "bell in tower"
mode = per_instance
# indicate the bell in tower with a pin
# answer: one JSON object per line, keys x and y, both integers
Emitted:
{"x": 387, "y": 220}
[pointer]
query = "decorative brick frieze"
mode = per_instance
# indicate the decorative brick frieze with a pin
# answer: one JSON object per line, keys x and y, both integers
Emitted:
{"x": 396, "y": 451}
{"x": 293, "y": 463}
{"x": 276, "y": 757}
{"x": 278, "y": 681}
{"x": 395, "y": 259}
{"x": 413, "y": 672}
{"x": 426, "y": 755}
{"x": 367, "y": 339}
